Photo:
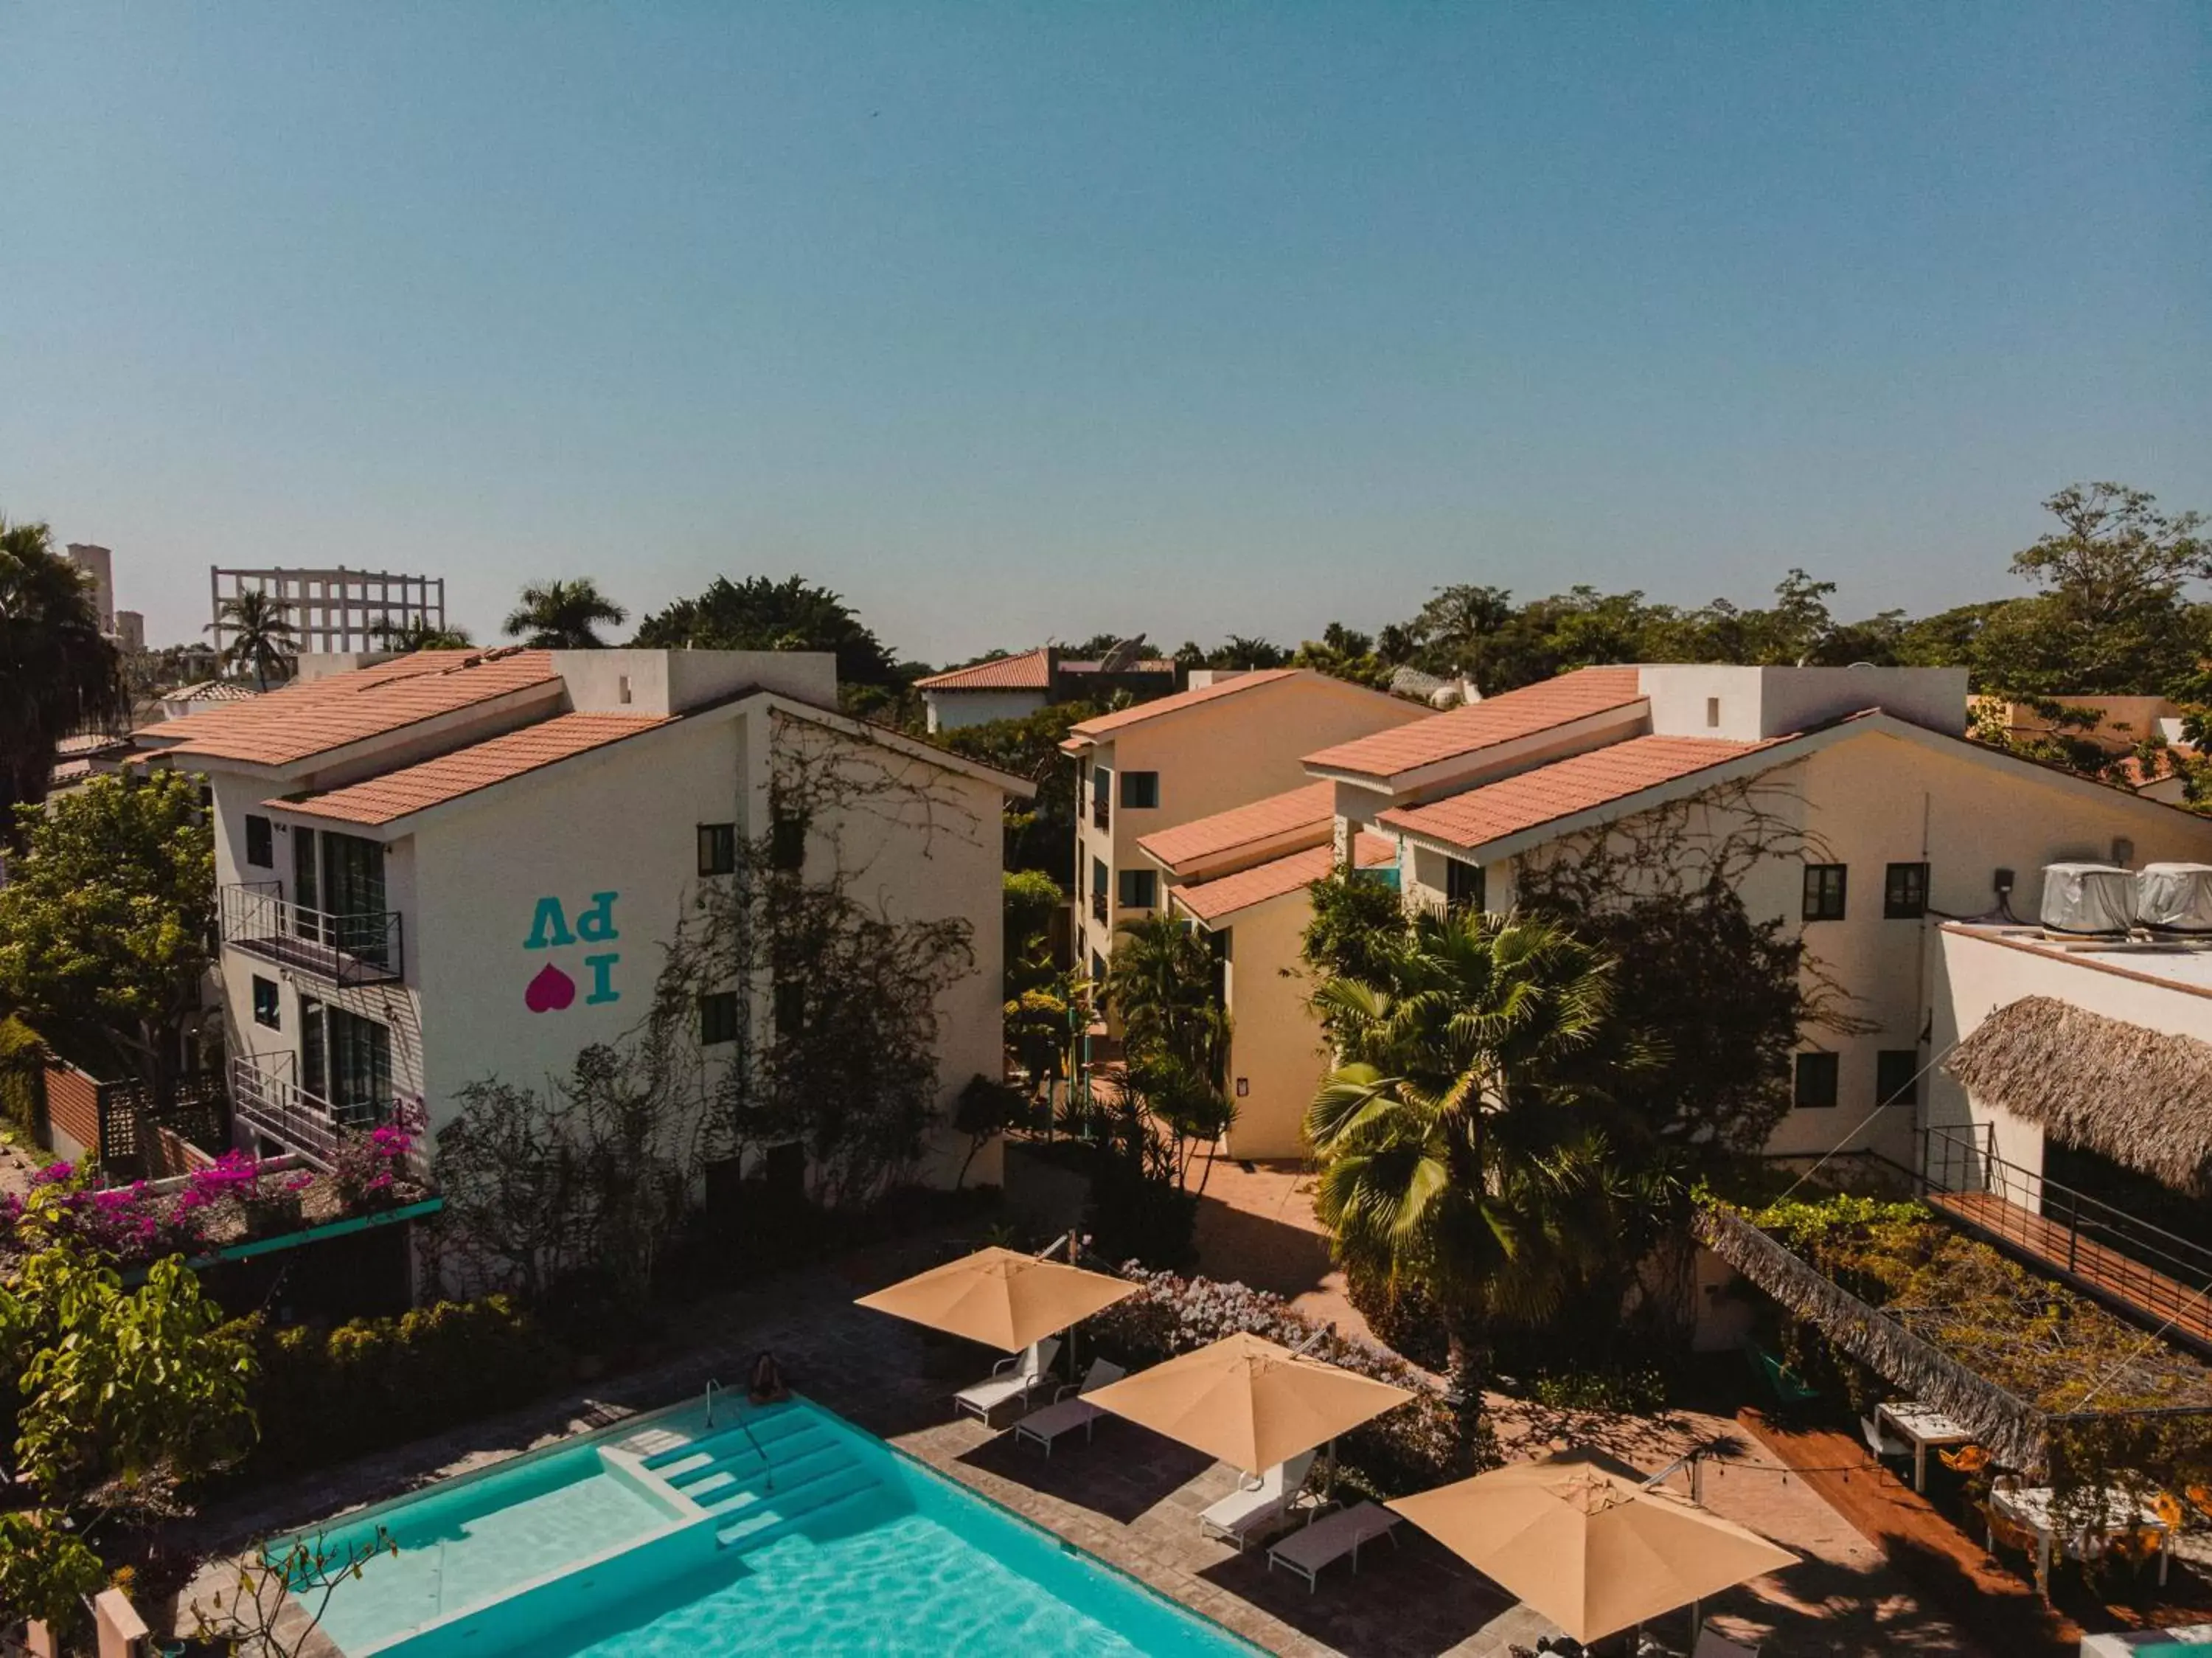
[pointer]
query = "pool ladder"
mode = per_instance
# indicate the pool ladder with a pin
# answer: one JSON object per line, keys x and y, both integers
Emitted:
{"x": 768, "y": 1470}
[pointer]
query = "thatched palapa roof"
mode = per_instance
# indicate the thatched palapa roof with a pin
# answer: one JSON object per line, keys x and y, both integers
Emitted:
{"x": 2135, "y": 1095}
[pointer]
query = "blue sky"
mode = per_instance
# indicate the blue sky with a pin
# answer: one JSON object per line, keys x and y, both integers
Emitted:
{"x": 1016, "y": 320}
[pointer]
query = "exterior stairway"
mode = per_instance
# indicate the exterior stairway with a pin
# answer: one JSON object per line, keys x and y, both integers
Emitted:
{"x": 767, "y": 1472}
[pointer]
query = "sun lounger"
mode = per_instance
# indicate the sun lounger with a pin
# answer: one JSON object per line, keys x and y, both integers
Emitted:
{"x": 1330, "y": 1537}
{"x": 1710, "y": 1645}
{"x": 1010, "y": 1378}
{"x": 1250, "y": 1511}
{"x": 1069, "y": 1410}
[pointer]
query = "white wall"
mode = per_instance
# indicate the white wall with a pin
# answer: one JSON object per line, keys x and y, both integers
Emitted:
{"x": 954, "y": 710}
{"x": 1772, "y": 702}
{"x": 670, "y": 681}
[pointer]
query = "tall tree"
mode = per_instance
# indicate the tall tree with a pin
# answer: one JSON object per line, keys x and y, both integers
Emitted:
{"x": 1175, "y": 1032}
{"x": 104, "y": 920}
{"x": 564, "y": 616}
{"x": 759, "y": 614}
{"x": 262, "y": 637}
{"x": 57, "y": 673}
{"x": 1456, "y": 1156}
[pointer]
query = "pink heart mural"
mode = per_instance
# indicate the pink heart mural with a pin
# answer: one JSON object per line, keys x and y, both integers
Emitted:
{"x": 550, "y": 992}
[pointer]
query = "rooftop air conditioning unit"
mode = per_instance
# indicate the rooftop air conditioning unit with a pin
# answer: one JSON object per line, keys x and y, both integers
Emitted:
{"x": 2088, "y": 898}
{"x": 2175, "y": 898}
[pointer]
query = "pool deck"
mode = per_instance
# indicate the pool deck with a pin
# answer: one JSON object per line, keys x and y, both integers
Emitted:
{"x": 1133, "y": 1498}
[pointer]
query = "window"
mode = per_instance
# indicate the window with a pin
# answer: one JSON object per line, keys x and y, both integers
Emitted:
{"x": 1896, "y": 1077}
{"x": 1140, "y": 889}
{"x": 345, "y": 1060}
{"x": 1140, "y": 789}
{"x": 1099, "y": 884}
{"x": 1463, "y": 886}
{"x": 790, "y": 1006}
{"x": 1824, "y": 892}
{"x": 1102, "y": 790}
{"x": 1905, "y": 892}
{"x": 1712, "y": 710}
{"x": 717, "y": 848}
{"x": 718, "y": 1017}
{"x": 260, "y": 843}
{"x": 264, "y": 1002}
{"x": 786, "y": 842}
{"x": 1816, "y": 1081}
{"x": 1097, "y": 968}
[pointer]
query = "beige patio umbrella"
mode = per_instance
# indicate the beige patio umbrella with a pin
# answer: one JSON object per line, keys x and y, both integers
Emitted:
{"x": 1593, "y": 1551}
{"x": 1000, "y": 1297}
{"x": 1248, "y": 1402}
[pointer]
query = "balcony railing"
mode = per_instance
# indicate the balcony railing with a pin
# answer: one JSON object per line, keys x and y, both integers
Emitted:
{"x": 344, "y": 949}
{"x": 270, "y": 1102}
{"x": 2106, "y": 1251}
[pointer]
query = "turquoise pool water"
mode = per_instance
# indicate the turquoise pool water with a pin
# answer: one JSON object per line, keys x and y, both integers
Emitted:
{"x": 784, "y": 1531}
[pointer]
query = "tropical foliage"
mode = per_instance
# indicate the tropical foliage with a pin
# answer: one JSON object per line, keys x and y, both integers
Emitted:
{"x": 105, "y": 922}
{"x": 758, "y": 614}
{"x": 564, "y": 615}
{"x": 57, "y": 673}
{"x": 419, "y": 633}
{"x": 263, "y": 642}
{"x": 1456, "y": 1154}
{"x": 1161, "y": 984}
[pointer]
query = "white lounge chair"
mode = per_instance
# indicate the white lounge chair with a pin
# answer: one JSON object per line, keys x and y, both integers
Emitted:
{"x": 1330, "y": 1537}
{"x": 1713, "y": 1645}
{"x": 1069, "y": 1410}
{"x": 1249, "y": 1511}
{"x": 1880, "y": 1444}
{"x": 1010, "y": 1378}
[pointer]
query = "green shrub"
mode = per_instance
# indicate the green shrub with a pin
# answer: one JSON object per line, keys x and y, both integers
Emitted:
{"x": 325, "y": 1396}
{"x": 1401, "y": 1316}
{"x": 22, "y": 1063}
{"x": 1137, "y": 1216}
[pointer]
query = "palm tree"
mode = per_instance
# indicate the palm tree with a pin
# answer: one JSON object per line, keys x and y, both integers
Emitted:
{"x": 1175, "y": 1033}
{"x": 1454, "y": 1156}
{"x": 261, "y": 636}
{"x": 57, "y": 673}
{"x": 564, "y": 615}
{"x": 419, "y": 633}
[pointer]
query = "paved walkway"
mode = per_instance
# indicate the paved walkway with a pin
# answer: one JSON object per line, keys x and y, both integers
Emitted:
{"x": 1132, "y": 1497}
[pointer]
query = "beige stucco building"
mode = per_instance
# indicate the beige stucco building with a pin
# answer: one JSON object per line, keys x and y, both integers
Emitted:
{"x": 464, "y": 865}
{"x": 1875, "y": 819}
{"x": 1228, "y": 740}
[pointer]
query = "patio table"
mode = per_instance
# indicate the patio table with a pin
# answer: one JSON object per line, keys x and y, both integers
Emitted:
{"x": 1922, "y": 1425}
{"x": 2032, "y": 1507}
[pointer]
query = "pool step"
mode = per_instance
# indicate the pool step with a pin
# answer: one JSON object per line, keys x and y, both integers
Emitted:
{"x": 708, "y": 1486}
{"x": 742, "y": 1459}
{"x": 772, "y": 1516}
{"x": 759, "y": 1428}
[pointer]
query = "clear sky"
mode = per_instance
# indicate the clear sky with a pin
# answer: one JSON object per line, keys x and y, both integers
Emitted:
{"x": 1016, "y": 320}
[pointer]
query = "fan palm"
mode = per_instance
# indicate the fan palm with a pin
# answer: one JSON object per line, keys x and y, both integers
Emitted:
{"x": 1454, "y": 1157}
{"x": 57, "y": 673}
{"x": 262, "y": 638}
{"x": 564, "y": 615}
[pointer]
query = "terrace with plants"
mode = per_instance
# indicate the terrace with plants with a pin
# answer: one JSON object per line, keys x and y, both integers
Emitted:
{"x": 1877, "y": 1299}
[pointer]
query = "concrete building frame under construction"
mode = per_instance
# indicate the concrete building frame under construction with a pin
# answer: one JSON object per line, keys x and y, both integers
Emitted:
{"x": 335, "y": 610}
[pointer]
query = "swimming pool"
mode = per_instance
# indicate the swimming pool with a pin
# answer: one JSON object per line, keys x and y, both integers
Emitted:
{"x": 780, "y": 1529}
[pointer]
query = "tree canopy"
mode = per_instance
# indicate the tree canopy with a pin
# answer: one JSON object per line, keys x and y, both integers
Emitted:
{"x": 760, "y": 614}
{"x": 57, "y": 673}
{"x": 564, "y": 615}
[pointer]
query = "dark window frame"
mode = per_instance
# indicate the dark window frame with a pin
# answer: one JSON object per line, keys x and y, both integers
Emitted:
{"x": 717, "y": 848}
{"x": 1467, "y": 886}
{"x": 1889, "y": 1089}
{"x": 1145, "y": 798}
{"x": 1905, "y": 892}
{"x": 1827, "y": 891}
{"x": 1817, "y": 1072}
{"x": 269, "y": 1009}
{"x": 786, "y": 842}
{"x": 260, "y": 842}
{"x": 1130, "y": 880}
{"x": 718, "y": 1018}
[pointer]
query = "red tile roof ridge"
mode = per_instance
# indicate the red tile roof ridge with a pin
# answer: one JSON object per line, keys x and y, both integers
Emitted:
{"x": 1210, "y": 900}
{"x": 1025, "y": 670}
{"x": 1161, "y": 706}
{"x": 1242, "y": 825}
{"x": 1506, "y": 717}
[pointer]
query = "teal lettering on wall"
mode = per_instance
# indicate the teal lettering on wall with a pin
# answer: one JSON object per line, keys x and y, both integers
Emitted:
{"x": 549, "y": 926}
{"x": 602, "y": 988}
{"x": 596, "y": 925}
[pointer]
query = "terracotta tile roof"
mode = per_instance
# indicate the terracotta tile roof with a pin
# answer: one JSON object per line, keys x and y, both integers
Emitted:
{"x": 1142, "y": 665}
{"x": 1499, "y": 719}
{"x": 1029, "y": 671}
{"x": 1210, "y": 900}
{"x": 1106, "y": 724}
{"x": 1313, "y": 805}
{"x": 209, "y": 690}
{"x": 433, "y": 782}
{"x": 91, "y": 742}
{"x": 1565, "y": 787}
{"x": 301, "y": 721}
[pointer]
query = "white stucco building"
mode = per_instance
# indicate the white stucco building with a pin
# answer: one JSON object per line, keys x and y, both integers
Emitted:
{"x": 463, "y": 865}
